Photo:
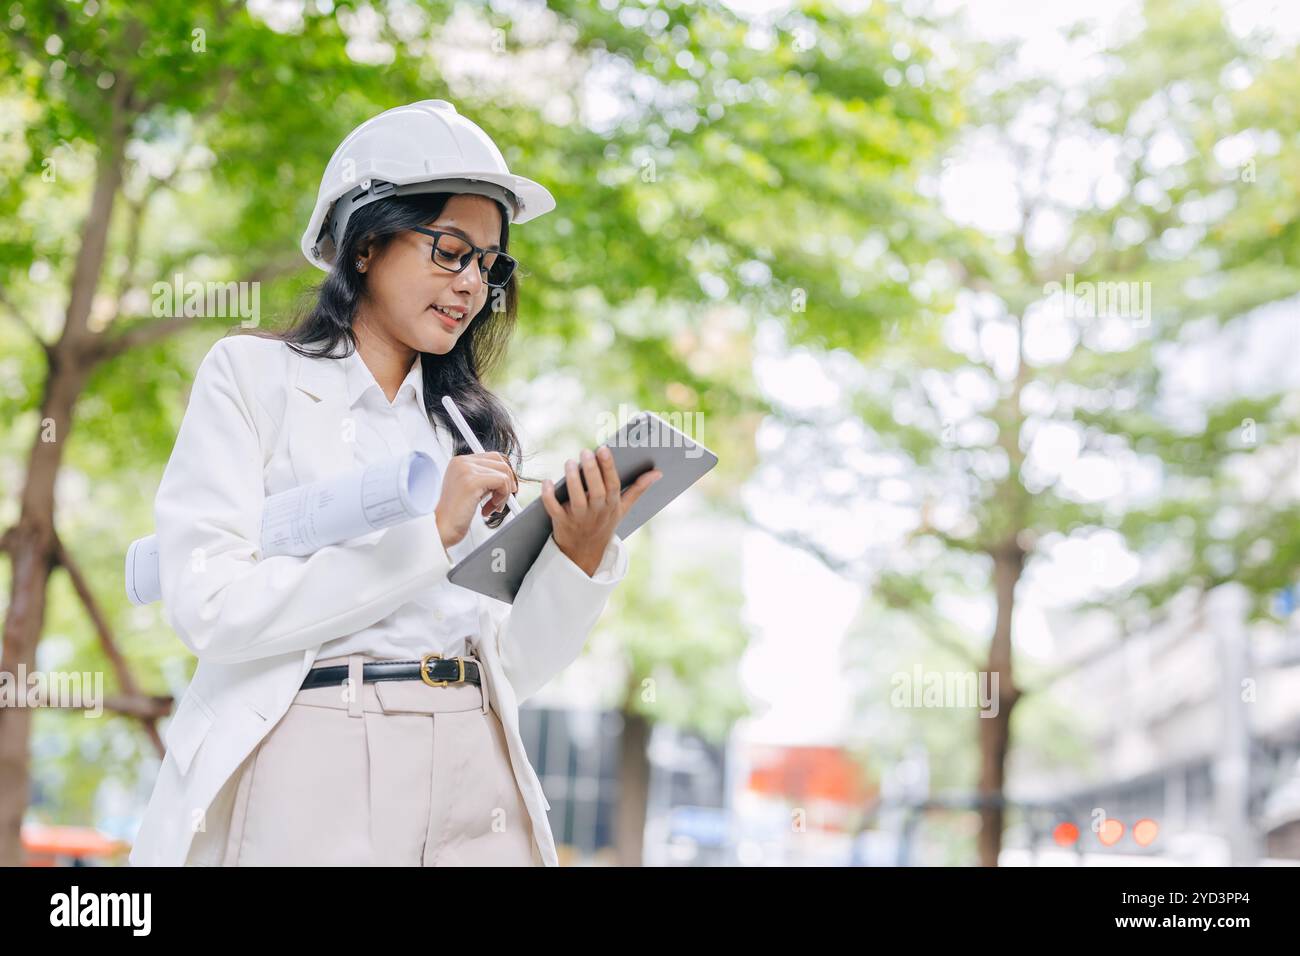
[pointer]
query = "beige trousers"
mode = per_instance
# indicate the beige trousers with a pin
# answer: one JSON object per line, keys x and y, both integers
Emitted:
{"x": 396, "y": 774}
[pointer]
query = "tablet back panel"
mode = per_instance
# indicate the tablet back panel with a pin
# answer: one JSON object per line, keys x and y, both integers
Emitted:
{"x": 498, "y": 566}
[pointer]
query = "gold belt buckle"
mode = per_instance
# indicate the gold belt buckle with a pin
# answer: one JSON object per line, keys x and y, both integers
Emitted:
{"x": 424, "y": 671}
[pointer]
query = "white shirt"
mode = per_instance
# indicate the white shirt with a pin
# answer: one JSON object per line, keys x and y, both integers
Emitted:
{"x": 439, "y": 621}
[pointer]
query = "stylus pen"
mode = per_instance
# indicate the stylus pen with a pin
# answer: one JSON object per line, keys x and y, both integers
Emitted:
{"x": 463, "y": 427}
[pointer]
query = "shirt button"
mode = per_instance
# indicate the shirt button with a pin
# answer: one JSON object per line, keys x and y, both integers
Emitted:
{"x": 438, "y": 615}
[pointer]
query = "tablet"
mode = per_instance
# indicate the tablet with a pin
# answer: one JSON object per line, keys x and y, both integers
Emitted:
{"x": 497, "y": 566}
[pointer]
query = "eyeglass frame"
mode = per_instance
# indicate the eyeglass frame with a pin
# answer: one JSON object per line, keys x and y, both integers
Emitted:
{"x": 474, "y": 253}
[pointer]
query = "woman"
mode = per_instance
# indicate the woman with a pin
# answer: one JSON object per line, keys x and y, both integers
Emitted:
{"x": 353, "y": 707}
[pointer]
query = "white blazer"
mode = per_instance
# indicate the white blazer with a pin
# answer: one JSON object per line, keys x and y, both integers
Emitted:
{"x": 262, "y": 419}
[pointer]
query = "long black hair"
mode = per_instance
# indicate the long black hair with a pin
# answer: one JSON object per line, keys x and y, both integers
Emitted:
{"x": 327, "y": 320}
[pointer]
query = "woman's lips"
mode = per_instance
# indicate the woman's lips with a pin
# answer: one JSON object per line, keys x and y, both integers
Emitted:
{"x": 448, "y": 323}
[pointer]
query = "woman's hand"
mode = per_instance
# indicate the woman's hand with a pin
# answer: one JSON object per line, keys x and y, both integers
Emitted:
{"x": 467, "y": 479}
{"x": 583, "y": 526}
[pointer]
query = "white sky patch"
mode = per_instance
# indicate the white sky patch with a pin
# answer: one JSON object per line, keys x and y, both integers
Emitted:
{"x": 282, "y": 16}
{"x": 1260, "y": 355}
{"x": 1050, "y": 337}
{"x": 797, "y": 379}
{"x": 1111, "y": 333}
{"x": 999, "y": 341}
{"x": 1092, "y": 478}
{"x": 1055, "y": 448}
{"x": 974, "y": 612}
{"x": 978, "y": 187}
{"x": 1082, "y": 567}
{"x": 797, "y": 610}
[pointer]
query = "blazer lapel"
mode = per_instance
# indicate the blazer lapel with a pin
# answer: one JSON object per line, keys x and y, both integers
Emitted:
{"x": 317, "y": 416}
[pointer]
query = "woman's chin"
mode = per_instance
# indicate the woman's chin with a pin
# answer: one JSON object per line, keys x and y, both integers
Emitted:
{"x": 437, "y": 343}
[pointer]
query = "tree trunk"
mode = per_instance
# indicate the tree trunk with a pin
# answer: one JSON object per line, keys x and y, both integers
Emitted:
{"x": 633, "y": 789}
{"x": 31, "y": 542}
{"x": 995, "y": 731}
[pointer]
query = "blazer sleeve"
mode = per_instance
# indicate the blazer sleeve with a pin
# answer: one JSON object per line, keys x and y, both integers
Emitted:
{"x": 224, "y": 600}
{"x": 544, "y": 630}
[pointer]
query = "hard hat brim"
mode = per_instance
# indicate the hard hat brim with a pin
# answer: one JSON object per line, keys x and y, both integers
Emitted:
{"x": 532, "y": 199}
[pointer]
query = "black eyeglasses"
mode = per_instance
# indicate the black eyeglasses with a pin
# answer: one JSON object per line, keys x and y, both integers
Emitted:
{"x": 453, "y": 253}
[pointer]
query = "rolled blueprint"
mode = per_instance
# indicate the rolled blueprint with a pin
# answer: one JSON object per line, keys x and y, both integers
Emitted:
{"x": 303, "y": 520}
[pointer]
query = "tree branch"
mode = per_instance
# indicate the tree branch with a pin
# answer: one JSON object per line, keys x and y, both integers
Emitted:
{"x": 933, "y": 626}
{"x": 930, "y": 621}
{"x": 21, "y": 319}
{"x": 146, "y": 333}
{"x": 145, "y": 707}
{"x": 125, "y": 679}
{"x": 114, "y": 344}
{"x": 845, "y": 569}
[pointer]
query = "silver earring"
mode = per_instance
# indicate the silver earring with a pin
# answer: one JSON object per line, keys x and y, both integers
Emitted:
{"x": 361, "y": 265}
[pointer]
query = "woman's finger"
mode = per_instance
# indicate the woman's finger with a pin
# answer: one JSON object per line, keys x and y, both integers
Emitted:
{"x": 612, "y": 482}
{"x": 492, "y": 479}
{"x": 514, "y": 477}
{"x": 496, "y": 464}
{"x": 637, "y": 489}
{"x": 595, "y": 481}
{"x": 573, "y": 482}
{"x": 550, "y": 502}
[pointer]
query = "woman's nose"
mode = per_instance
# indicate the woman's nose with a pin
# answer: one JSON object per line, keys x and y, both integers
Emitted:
{"x": 469, "y": 279}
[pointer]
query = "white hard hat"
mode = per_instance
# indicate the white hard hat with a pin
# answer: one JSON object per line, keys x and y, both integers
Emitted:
{"x": 423, "y": 147}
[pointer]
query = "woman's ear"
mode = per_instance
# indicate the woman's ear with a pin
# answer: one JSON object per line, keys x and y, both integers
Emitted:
{"x": 361, "y": 258}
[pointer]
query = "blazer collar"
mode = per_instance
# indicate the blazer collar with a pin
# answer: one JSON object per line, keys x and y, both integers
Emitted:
{"x": 321, "y": 378}
{"x": 360, "y": 380}
{"x": 317, "y": 418}
{"x": 322, "y": 423}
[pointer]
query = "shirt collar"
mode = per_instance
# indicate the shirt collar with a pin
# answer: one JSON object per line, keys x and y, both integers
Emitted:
{"x": 360, "y": 380}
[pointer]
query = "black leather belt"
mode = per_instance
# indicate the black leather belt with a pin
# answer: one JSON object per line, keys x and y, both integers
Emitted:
{"x": 434, "y": 670}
